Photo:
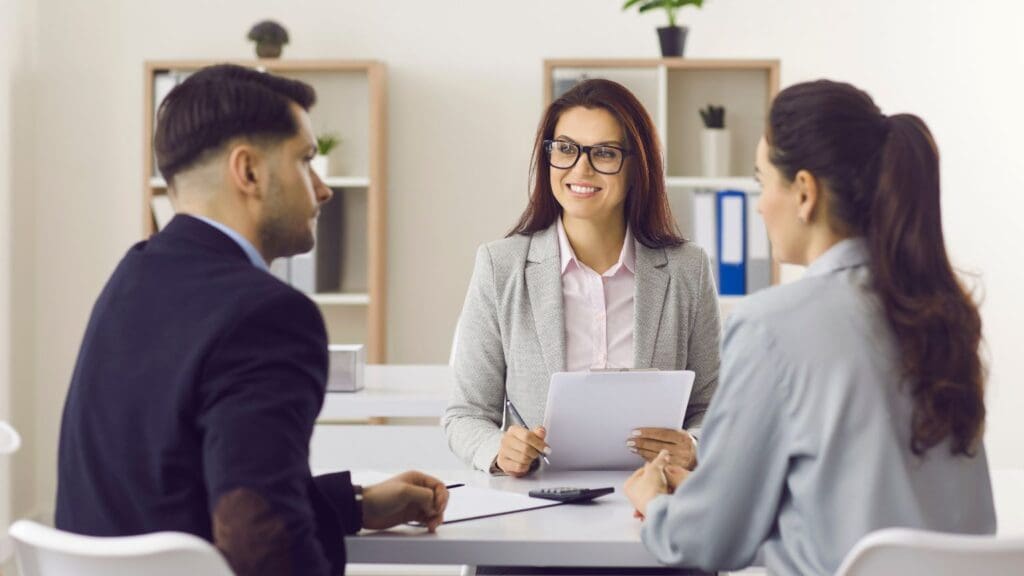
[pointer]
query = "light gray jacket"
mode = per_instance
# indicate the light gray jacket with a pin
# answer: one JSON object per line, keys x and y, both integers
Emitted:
{"x": 511, "y": 336}
{"x": 806, "y": 448}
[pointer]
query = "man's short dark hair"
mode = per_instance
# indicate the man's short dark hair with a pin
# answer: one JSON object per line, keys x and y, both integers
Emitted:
{"x": 220, "y": 103}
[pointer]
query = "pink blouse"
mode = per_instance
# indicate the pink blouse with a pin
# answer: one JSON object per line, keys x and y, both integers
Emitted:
{"x": 599, "y": 309}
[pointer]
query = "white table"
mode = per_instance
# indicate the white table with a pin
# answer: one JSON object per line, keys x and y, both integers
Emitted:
{"x": 392, "y": 391}
{"x": 602, "y": 533}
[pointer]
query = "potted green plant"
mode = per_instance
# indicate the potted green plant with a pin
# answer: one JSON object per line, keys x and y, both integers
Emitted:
{"x": 715, "y": 144}
{"x": 672, "y": 37}
{"x": 269, "y": 37}
{"x": 324, "y": 144}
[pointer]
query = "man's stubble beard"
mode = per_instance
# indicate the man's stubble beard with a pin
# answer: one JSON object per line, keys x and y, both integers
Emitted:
{"x": 280, "y": 237}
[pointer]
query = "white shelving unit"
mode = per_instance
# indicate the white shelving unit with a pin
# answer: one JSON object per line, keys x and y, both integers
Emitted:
{"x": 338, "y": 299}
{"x": 748, "y": 185}
{"x": 347, "y": 181}
{"x": 330, "y": 181}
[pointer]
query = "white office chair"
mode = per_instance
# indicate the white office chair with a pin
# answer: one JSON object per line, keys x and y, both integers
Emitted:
{"x": 909, "y": 552}
{"x": 45, "y": 551}
{"x": 10, "y": 440}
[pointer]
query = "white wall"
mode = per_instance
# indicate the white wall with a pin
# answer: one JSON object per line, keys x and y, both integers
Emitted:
{"x": 471, "y": 72}
{"x": 6, "y": 32}
{"x": 18, "y": 496}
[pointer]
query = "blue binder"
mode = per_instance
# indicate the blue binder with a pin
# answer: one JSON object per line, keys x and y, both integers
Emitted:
{"x": 732, "y": 242}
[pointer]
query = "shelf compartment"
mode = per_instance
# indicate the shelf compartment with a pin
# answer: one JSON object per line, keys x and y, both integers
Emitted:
{"x": 340, "y": 299}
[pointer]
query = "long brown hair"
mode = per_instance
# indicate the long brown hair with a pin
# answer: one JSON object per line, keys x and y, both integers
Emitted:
{"x": 883, "y": 177}
{"x": 646, "y": 207}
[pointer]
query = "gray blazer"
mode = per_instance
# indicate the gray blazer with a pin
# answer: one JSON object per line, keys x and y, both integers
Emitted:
{"x": 511, "y": 336}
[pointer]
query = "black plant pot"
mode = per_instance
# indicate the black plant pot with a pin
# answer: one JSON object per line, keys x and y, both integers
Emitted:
{"x": 673, "y": 40}
{"x": 268, "y": 50}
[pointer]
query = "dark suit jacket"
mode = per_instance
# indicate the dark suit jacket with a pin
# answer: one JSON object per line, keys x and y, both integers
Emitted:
{"x": 191, "y": 408}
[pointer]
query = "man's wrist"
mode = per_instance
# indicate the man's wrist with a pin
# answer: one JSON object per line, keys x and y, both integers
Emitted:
{"x": 357, "y": 494}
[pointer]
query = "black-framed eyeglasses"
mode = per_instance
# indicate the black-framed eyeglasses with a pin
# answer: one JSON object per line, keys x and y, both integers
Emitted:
{"x": 604, "y": 158}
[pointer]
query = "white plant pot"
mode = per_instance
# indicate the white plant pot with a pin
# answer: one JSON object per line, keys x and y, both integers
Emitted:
{"x": 714, "y": 152}
{"x": 320, "y": 165}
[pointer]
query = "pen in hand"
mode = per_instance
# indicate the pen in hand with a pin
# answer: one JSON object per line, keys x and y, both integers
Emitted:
{"x": 519, "y": 420}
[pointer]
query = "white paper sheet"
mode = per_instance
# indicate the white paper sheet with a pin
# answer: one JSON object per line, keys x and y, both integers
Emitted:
{"x": 469, "y": 502}
{"x": 591, "y": 415}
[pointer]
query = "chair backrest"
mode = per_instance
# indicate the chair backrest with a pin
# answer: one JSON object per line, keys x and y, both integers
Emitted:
{"x": 10, "y": 441}
{"x": 908, "y": 552}
{"x": 45, "y": 551}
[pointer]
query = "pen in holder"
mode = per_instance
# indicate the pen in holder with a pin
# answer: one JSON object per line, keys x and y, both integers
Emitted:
{"x": 519, "y": 420}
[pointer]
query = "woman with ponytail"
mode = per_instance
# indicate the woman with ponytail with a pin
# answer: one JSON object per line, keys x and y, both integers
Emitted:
{"x": 852, "y": 400}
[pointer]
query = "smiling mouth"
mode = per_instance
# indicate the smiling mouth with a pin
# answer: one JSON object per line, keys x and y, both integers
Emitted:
{"x": 582, "y": 190}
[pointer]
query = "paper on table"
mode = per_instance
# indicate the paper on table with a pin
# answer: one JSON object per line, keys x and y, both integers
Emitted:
{"x": 470, "y": 502}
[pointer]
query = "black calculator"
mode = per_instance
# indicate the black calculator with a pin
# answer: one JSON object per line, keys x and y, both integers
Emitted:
{"x": 566, "y": 494}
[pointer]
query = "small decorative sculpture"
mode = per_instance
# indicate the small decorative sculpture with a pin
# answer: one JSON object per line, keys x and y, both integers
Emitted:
{"x": 269, "y": 37}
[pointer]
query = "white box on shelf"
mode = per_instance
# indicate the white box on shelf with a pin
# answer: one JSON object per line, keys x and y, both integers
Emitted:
{"x": 163, "y": 210}
{"x": 280, "y": 269}
{"x": 347, "y": 365}
{"x": 303, "y": 272}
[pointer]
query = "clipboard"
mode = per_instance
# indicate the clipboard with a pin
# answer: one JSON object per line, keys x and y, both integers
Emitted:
{"x": 473, "y": 503}
{"x": 467, "y": 502}
{"x": 590, "y": 415}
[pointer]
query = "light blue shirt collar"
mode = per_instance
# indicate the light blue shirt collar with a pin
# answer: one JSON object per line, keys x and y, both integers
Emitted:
{"x": 244, "y": 244}
{"x": 846, "y": 253}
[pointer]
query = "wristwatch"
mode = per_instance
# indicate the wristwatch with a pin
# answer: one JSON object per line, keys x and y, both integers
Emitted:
{"x": 357, "y": 491}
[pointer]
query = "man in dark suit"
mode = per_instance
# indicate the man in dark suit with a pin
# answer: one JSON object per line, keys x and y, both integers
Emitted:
{"x": 200, "y": 375}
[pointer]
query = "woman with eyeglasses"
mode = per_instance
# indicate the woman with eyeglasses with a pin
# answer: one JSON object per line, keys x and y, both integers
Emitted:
{"x": 852, "y": 400}
{"x": 593, "y": 276}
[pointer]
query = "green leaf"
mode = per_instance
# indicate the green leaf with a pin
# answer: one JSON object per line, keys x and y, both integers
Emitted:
{"x": 652, "y": 4}
{"x": 670, "y": 6}
{"x": 683, "y": 3}
{"x": 326, "y": 142}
